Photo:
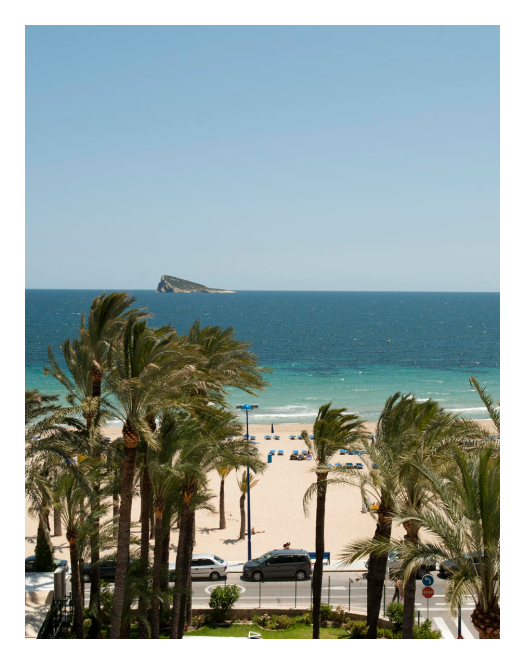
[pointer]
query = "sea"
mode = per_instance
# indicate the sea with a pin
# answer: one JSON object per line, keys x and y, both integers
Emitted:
{"x": 354, "y": 349}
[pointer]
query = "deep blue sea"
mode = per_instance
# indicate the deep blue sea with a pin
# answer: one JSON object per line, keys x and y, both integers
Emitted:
{"x": 322, "y": 346}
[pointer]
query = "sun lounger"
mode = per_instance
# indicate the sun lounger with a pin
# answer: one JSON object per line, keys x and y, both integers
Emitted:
{"x": 328, "y": 464}
{"x": 359, "y": 466}
{"x": 292, "y": 437}
{"x": 295, "y": 452}
{"x": 267, "y": 438}
{"x": 305, "y": 452}
{"x": 253, "y": 437}
{"x": 352, "y": 452}
{"x": 341, "y": 452}
{"x": 272, "y": 452}
{"x": 280, "y": 453}
{"x": 338, "y": 465}
{"x": 299, "y": 437}
{"x": 375, "y": 465}
{"x": 277, "y": 437}
{"x": 349, "y": 465}
{"x": 311, "y": 437}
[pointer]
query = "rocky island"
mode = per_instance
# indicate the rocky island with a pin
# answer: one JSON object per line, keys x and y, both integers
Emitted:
{"x": 169, "y": 284}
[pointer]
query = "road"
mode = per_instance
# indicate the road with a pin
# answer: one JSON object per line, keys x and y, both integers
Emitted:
{"x": 339, "y": 588}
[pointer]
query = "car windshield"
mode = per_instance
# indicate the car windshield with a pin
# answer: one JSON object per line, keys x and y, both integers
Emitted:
{"x": 265, "y": 557}
{"x": 220, "y": 560}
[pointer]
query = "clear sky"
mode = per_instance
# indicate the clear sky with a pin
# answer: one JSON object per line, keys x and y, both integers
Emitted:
{"x": 268, "y": 158}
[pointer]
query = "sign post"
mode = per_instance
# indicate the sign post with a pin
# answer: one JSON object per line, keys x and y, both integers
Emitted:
{"x": 428, "y": 593}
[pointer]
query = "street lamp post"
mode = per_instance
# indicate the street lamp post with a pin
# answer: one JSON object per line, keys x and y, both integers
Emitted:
{"x": 247, "y": 407}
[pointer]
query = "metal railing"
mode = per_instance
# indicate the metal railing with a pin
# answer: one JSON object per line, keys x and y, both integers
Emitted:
{"x": 349, "y": 593}
{"x": 57, "y": 624}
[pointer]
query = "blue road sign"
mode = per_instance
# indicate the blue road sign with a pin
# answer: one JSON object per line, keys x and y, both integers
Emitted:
{"x": 428, "y": 580}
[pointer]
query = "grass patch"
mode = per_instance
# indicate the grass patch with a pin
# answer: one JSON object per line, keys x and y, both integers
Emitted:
{"x": 296, "y": 632}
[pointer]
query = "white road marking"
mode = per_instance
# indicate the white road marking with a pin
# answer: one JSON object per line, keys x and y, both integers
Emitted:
{"x": 465, "y": 632}
{"x": 442, "y": 625}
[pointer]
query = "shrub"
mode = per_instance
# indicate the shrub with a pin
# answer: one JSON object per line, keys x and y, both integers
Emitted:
{"x": 384, "y": 634}
{"x": 425, "y": 631}
{"x": 283, "y": 622}
{"x": 43, "y": 555}
{"x": 338, "y": 616}
{"x": 357, "y": 628}
{"x": 199, "y": 621}
{"x": 326, "y": 612}
{"x": 222, "y": 599}
{"x": 306, "y": 618}
{"x": 394, "y": 612}
{"x": 262, "y": 621}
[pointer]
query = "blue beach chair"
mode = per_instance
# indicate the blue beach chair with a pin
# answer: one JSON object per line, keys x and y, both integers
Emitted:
{"x": 338, "y": 465}
{"x": 305, "y": 451}
{"x": 292, "y": 436}
{"x": 349, "y": 465}
{"x": 277, "y": 437}
{"x": 267, "y": 438}
{"x": 359, "y": 466}
{"x": 295, "y": 452}
{"x": 280, "y": 453}
{"x": 272, "y": 452}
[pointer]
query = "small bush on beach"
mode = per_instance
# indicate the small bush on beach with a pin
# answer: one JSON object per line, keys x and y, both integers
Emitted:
{"x": 222, "y": 599}
{"x": 394, "y": 612}
{"x": 383, "y": 633}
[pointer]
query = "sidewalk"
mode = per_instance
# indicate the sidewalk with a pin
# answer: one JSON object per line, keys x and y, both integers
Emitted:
{"x": 235, "y": 567}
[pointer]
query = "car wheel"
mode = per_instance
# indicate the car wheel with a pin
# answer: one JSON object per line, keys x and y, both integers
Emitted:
{"x": 300, "y": 575}
{"x": 257, "y": 576}
{"x": 215, "y": 576}
{"x": 87, "y": 578}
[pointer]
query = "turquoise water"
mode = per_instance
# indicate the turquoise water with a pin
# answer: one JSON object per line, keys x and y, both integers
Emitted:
{"x": 322, "y": 346}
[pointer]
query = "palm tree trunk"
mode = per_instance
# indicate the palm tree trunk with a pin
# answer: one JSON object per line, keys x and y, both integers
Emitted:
{"x": 194, "y": 533}
{"x": 94, "y": 539}
{"x": 409, "y": 599}
{"x": 94, "y": 598}
{"x": 157, "y": 560}
{"x": 222, "y": 513}
{"x": 128, "y": 472}
{"x": 487, "y": 623}
{"x": 145, "y": 499}
{"x": 186, "y": 575}
{"x": 242, "y": 532}
{"x": 75, "y": 586}
{"x": 376, "y": 575}
{"x": 317, "y": 582}
{"x": 182, "y": 555}
{"x": 57, "y": 521}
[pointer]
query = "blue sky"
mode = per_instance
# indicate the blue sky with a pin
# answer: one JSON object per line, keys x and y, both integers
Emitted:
{"x": 293, "y": 158}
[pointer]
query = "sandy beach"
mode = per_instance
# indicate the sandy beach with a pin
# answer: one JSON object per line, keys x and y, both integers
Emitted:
{"x": 276, "y": 506}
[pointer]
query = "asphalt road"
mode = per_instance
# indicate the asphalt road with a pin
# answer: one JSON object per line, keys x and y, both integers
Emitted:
{"x": 339, "y": 588}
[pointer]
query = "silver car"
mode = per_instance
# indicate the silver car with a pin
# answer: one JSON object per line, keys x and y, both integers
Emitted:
{"x": 205, "y": 566}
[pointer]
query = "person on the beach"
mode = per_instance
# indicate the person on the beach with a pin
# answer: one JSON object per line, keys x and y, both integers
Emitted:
{"x": 254, "y": 532}
{"x": 286, "y": 546}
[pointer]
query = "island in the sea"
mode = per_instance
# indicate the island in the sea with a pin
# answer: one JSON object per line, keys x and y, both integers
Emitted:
{"x": 169, "y": 284}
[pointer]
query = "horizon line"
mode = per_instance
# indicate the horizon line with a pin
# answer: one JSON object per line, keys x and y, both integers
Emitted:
{"x": 268, "y": 290}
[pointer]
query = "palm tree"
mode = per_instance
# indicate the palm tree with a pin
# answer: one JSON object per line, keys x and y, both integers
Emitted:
{"x": 87, "y": 361}
{"x": 243, "y": 486}
{"x": 72, "y": 495}
{"x": 201, "y": 444}
{"x": 148, "y": 371}
{"x": 223, "y": 471}
{"x": 334, "y": 429}
{"x": 464, "y": 517}
{"x": 493, "y": 408}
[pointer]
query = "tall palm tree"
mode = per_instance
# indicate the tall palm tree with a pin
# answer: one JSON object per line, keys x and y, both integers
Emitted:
{"x": 464, "y": 517}
{"x": 334, "y": 429}
{"x": 243, "y": 486}
{"x": 72, "y": 494}
{"x": 223, "y": 471}
{"x": 87, "y": 361}
{"x": 148, "y": 371}
{"x": 201, "y": 444}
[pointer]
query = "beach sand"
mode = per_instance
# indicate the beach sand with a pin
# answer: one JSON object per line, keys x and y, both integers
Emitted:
{"x": 276, "y": 507}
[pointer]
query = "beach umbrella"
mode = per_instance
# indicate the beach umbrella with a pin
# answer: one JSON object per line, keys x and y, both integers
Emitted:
{"x": 272, "y": 427}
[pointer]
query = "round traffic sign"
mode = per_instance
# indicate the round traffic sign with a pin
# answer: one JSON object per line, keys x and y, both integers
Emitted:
{"x": 428, "y": 592}
{"x": 428, "y": 580}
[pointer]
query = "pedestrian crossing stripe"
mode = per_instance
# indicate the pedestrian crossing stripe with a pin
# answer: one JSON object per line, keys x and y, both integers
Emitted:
{"x": 447, "y": 634}
{"x": 465, "y": 632}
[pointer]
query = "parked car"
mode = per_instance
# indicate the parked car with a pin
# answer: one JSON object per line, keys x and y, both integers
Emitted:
{"x": 108, "y": 569}
{"x": 279, "y": 563}
{"x": 428, "y": 566}
{"x": 391, "y": 557}
{"x": 447, "y": 567}
{"x": 204, "y": 566}
{"x": 30, "y": 564}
